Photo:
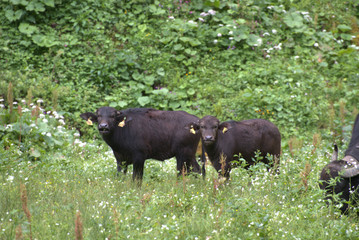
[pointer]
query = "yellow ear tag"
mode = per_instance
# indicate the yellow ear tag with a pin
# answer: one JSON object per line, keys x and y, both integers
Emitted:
{"x": 225, "y": 130}
{"x": 122, "y": 123}
{"x": 89, "y": 122}
{"x": 192, "y": 130}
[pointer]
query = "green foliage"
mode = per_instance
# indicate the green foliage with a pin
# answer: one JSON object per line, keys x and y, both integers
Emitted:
{"x": 32, "y": 134}
{"x": 239, "y": 58}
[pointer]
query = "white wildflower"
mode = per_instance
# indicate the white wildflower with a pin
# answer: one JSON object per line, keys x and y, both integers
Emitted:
{"x": 219, "y": 35}
{"x": 10, "y": 178}
{"x": 274, "y": 31}
{"x": 212, "y": 12}
{"x": 171, "y": 17}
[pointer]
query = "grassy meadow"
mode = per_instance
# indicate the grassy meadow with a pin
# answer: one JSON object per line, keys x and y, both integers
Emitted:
{"x": 78, "y": 195}
{"x": 292, "y": 62}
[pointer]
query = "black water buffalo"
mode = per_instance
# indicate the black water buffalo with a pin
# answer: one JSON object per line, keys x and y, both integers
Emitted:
{"x": 222, "y": 141}
{"x": 135, "y": 135}
{"x": 345, "y": 170}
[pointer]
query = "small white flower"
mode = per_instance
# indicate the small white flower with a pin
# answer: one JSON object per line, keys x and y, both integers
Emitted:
{"x": 219, "y": 35}
{"x": 1, "y": 100}
{"x": 296, "y": 57}
{"x": 268, "y": 56}
{"x": 215, "y": 41}
{"x": 45, "y": 120}
{"x": 201, "y": 19}
{"x": 48, "y": 134}
{"x": 10, "y": 178}
{"x": 230, "y": 32}
{"x": 171, "y": 17}
{"x": 61, "y": 121}
{"x": 42, "y": 115}
{"x": 40, "y": 101}
{"x": 212, "y": 12}
{"x": 203, "y": 14}
{"x": 15, "y": 103}
{"x": 2, "y": 106}
{"x": 278, "y": 47}
{"x": 316, "y": 44}
{"x": 274, "y": 31}
{"x": 192, "y": 22}
{"x": 230, "y": 38}
{"x": 23, "y": 101}
{"x": 77, "y": 134}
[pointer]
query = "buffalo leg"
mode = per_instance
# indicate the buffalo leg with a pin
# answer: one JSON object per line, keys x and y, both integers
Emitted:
{"x": 120, "y": 163}
{"x": 138, "y": 165}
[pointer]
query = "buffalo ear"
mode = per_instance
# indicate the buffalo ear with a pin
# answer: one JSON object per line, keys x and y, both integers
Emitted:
{"x": 122, "y": 118}
{"x": 192, "y": 127}
{"x": 89, "y": 117}
{"x": 224, "y": 127}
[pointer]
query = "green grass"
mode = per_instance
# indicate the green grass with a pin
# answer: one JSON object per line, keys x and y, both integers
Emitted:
{"x": 253, "y": 205}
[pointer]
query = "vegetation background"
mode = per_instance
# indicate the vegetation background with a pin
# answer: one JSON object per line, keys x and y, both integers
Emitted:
{"x": 292, "y": 62}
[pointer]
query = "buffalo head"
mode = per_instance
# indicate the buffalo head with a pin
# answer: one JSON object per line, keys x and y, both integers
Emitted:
{"x": 107, "y": 118}
{"x": 209, "y": 127}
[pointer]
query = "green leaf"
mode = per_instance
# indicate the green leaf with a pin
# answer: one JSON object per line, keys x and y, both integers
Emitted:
{"x": 185, "y": 39}
{"x": 44, "y": 40}
{"x": 180, "y": 57}
{"x": 161, "y": 72}
{"x": 50, "y": 3}
{"x": 122, "y": 104}
{"x": 191, "y": 91}
{"x": 35, "y": 153}
{"x": 13, "y": 16}
{"x": 194, "y": 42}
{"x": 143, "y": 101}
{"x": 293, "y": 20}
{"x": 344, "y": 28}
{"x": 35, "y": 6}
{"x": 149, "y": 80}
{"x": 27, "y": 29}
{"x": 178, "y": 47}
{"x": 345, "y": 36}
{"x": 254, "y": 40}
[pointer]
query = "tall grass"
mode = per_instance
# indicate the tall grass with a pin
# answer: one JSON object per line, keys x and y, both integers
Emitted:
{"x": 254, "y": 204}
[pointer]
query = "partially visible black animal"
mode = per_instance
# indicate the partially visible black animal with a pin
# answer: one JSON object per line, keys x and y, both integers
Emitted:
{"x": 135, "y": 135}
{"x": 222, "y": 141}
{"x": 345, "y": 170}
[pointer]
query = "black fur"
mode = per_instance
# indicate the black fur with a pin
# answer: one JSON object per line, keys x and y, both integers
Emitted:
{"x": 147, "y": 133}
{"x": 347, "y": 187}
{"x": 242, "y": 138}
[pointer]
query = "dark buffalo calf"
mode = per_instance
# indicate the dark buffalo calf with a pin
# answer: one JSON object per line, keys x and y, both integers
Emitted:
{"x": 222, "y": 141}
{"x": 135, "y": 135}
{"x": 345, "y": 170}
